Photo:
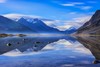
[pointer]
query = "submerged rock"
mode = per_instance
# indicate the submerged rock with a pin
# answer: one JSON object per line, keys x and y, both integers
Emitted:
{"x": 9, "y": 44}
{"x": 37, "y": 42}
{"x": 96, "y": 61}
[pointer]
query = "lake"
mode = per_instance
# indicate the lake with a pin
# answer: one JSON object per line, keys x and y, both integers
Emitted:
{"x": 52, "y": 51}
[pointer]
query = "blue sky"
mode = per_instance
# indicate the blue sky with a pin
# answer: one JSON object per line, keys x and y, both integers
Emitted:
{"x": 51, "y": 9}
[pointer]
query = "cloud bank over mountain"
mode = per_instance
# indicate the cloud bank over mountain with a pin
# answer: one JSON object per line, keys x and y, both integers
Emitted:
{"x": 59, "y": 24}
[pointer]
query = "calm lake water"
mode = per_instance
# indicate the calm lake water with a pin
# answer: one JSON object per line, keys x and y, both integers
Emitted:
{"x": 60, "y": 51}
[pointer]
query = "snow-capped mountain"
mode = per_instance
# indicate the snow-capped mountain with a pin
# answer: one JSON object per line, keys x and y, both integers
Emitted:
{"x": 30, "y": 18}
{"x": 8, "y": 25}
{"x": 16, "y": 17}
{"x": 39, "y": 24}
{"x": 70, "y": 30}
{"x": 35, "y": 24}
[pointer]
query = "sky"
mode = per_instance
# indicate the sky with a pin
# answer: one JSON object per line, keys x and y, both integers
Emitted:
{"x": 62, "y": 10}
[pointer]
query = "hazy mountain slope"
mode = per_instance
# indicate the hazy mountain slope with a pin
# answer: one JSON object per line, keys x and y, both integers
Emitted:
{"x": 92, "y": 26}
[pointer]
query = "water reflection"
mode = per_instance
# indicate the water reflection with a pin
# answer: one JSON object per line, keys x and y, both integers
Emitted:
{"x": 23, "y": 43}
{"x": 93, "y": 44}
{"x": 62, "y": 51}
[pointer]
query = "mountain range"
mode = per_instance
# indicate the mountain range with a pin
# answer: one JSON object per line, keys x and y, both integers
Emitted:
{"x": 10, "y": 26}
{"x": 25, "y": 24}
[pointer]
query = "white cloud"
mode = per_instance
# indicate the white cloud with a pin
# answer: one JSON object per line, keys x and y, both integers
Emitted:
{"x": 63, "y": 28}
{"x": 12, "y": 15}
{"x": 77, "y": 22}
{"x": 82, "y": 19}
{"x": 2, "y": 1}
{"x": 85, "y": 7}
{"x": 15, "y": 17}
{"x": 66, "y": 24}
{"x": 59, "y": 24}
{"x": 72, "y": 13}
{"x": 79, "y": 5}
{"x": 68, "y": 4}
{"x": 72, "y": 4}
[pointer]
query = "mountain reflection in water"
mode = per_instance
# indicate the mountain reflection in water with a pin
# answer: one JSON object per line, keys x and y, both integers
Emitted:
{"x": 23, "y": 43}
{"x": 93, "y": 44}
{"x": 62, "y": 51}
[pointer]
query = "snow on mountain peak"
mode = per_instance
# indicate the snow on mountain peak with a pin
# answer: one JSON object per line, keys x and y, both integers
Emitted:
{"x": 71, "y": 28}
{"x": 16, "y": 17}
{"x": 38, "y": 19}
